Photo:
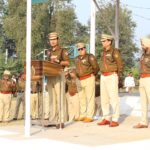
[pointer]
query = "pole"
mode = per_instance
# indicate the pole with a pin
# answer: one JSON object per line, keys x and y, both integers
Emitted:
{"x": 28, "y": 68}
{"x": 103, "y": 18}
{"x": 117, "y": 24}
{"x": 6, "y": 56}
{"x": 92, "y": 28}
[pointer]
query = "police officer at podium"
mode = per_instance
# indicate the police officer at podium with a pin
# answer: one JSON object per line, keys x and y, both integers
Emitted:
{"x": 56, "y": 55}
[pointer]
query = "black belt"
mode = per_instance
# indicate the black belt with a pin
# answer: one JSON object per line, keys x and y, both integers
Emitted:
{"x": 33, "y": 92}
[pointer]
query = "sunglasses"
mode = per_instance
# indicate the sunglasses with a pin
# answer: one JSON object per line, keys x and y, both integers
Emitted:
{"x": 104, "y": 41}
{"x": 80, "y": 49}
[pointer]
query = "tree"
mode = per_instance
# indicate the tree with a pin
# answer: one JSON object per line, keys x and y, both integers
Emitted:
{"x": 82, "y": 33}
{"x": 2, "y": 12}
{"x": 56, "y": 15}
{"x": 65, "y": 25}
{"x": 40, "y": 27}
{"x": 14, "y": 24}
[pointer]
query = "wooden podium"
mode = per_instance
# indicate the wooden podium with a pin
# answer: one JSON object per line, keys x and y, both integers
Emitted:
{"x": 40, "y": 69}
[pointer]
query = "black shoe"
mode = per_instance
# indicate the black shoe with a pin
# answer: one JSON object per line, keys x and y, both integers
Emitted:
{"x": 14, "y": 118}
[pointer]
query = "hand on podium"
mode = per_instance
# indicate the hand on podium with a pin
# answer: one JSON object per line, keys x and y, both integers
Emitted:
{"x": 54, "y": 60}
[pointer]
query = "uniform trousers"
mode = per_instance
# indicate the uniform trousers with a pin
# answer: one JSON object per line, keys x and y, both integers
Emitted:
{"x": 109, "y": 97}
{"x": 34, "y": 106}
{"x": 87, "y": 97}
{"x": 20, "y": 98}
{"x": 73, "y": 106}
{"x": 46, "y": 105}
{"x": 5, "y": 104}
{"x": 144, "y": 89}
{"x": 54, "y": 85}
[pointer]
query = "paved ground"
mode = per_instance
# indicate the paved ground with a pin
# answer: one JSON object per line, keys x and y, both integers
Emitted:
{"x": 84, "y": 134}
{"x": 77, "y": 135}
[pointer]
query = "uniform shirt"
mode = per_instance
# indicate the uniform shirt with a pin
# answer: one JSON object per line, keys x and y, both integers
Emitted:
{"x": 21, "y": 85}
{"x": 7, "y": 85}
{"x": 34, "y": 87}
{"x": 111, "y": 61}
{"x": 86, "y": 65}
{"x": 59, "y": 53}
{"x": 72, "y": 86}
{"x": 145, "y": 63}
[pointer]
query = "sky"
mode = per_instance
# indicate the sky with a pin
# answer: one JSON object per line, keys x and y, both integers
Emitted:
{"x": 140, "y": 14}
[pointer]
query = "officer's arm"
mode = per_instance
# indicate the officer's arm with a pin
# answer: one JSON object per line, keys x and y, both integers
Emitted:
{"x": 120, "y": 65}
{"x": 66, "y": 59}
{"x": 119, "y": 61}
{"x": 94, "y": 64}
{"x": 48, "y": 54}
{"x": 65, "y": 63}
{"x": 13, "y": 86}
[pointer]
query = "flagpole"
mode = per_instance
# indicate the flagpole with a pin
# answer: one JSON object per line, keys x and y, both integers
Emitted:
{"x": 92, "y": 28}
{"x": 28, "y": 70}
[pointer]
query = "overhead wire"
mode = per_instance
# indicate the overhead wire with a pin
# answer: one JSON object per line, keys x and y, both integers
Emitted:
{"x": 138, "y": 7}
{"x": 148, "y": 19}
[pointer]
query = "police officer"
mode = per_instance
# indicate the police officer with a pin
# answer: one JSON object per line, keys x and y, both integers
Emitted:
{"x": 111, "y": 67}
{"x": 56, "y": 55}
{"x": 144, "y": 86}
{"x": 86, "y": 68}
{"x": 73, "y": 86}
{"x": 20, "y": 95}
{"x": 6, "y": 88}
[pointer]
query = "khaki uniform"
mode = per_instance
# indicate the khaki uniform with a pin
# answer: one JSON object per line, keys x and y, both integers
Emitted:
{"x": 73, "y": 98}
{"x": 54, "y": 86}
{"x": 6, "y": 88}
{"x": 86, "y": 68}
{"x": 111, "y": 66}
{"x": 34, "y": 101}
{"x": 145, "y": 86}
{"x": 20, "y": 97}
{"x": 46, "y": 105}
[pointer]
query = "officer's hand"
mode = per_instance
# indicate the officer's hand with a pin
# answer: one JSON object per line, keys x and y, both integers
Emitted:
{"x": 54, "y": 60}
{"x": 120, "y": 82}
{"x": 72, "y": 93}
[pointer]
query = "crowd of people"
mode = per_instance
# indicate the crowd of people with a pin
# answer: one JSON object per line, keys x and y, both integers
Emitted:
{"x": 79, "y": 96}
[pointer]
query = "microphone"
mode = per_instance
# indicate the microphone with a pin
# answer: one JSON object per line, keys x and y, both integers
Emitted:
{"x": 40, "y": 53}
{"x": 45, "y": 51}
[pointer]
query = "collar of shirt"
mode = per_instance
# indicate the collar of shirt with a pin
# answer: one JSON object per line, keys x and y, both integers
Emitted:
{"x": 109, "y": 49}
{"x": 82, "y": 56}
{"x": 56, "y": 48}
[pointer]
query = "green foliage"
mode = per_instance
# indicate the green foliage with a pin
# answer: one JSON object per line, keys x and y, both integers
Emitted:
{"x": 58, "y": 16}
{"x": 65, "y": 25}
{"x": 40, "y": 27}
{"x": 2, "y": 12}
{"x": 82, "y": 33}
{"x": 11, "y": 64}
{"x": 14, "y": 24}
